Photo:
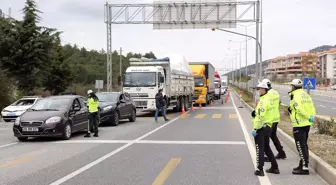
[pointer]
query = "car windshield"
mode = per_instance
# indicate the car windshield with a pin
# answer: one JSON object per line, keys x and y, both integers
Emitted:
{"x": 108, "y": 97}
{"x": 51, "y": 104}
{"x": 199, "y": 82}
{"x": 140, "y": 79}
{"x": 24, "y": 102}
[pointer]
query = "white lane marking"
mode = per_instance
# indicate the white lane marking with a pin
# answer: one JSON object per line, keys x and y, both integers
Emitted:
{"x": 90, "y": 165}
{"x": 10, "y": 144}
{"x": 154, "y": 142}
{"x": 334, "y": 108}
{"x": 5, "y": 128}
{"x": 263, "y": 180}
{"x": 323, "y": 106}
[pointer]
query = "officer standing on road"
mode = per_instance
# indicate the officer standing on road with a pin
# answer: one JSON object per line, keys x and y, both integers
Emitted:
{"x": 276, "y": 99}
{"x": 160, "y": 103}
{"x": 302, "y": 115}
{"x": 93, "y": 104}
{"x": 262, "y": 119}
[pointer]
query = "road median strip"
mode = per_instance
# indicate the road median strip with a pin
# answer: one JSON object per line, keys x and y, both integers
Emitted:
{"x": 325, "y": 170}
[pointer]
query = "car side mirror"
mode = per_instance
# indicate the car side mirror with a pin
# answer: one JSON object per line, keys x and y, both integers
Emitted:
{"x": 77, "y": 108}
{"x": 161, "y": 79}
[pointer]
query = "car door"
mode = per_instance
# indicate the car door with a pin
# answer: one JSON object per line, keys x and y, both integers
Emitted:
{"x": 85, "y": 111}
{"x": 129, "y": 105}
{"x": 122, "y": 106}
{"x": 80, "y": 117}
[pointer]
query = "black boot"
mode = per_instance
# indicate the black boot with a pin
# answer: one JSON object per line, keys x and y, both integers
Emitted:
{"x": 95, "y": 135}
{"x": 281, "y": 155}
{"x": 259, "y": 173}
{"x": 87, "y": 135}
{"x": 266, "y": 159}
{"x": 273, "y": 170}
{"x": 300, "y": 172}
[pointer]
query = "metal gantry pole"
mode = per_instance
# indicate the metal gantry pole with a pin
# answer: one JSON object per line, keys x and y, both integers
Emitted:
{"x": 257, "y": 40}
{"x": 120, "y": 69}
{"x": 246, "y": 58}
{"x": 261, "y": 31}
{"x": 108, "y": 20}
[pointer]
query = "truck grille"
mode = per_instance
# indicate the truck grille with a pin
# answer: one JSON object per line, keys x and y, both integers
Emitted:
{"x": 140, "y": 103}
{"x": 32, "y": 124}
{"x": 133, "y": 95}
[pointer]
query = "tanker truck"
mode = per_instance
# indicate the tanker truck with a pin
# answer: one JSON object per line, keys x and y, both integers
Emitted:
{"x": 172, "y": 74}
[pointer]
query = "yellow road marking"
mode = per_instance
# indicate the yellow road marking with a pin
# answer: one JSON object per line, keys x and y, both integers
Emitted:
{"x": 233, "y": 116}
{"x": 216, "y": 115}
{"x": 184, "y": 115}
{"x": 16, "y": 161}
{"x": 167, "y": 170}
{"x": 200, "y": 116}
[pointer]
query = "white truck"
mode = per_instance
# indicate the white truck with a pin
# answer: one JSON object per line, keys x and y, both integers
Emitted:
{"x": 172, "y": 74}
{"x": 224, "y": 80}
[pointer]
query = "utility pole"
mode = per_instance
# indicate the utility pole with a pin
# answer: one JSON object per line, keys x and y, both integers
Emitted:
{"x": 261, "y": 33}
{"x": 120, "y": 69}
{"x": 246, "y": 59}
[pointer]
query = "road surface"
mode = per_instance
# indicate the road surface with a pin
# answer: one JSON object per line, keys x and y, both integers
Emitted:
{"x": 204, "y": 147}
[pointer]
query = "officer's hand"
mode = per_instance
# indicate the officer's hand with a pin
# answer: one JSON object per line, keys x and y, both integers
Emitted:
{"x": 312, "y": 119}
{"x": 254, "y": 133}
{"x": 289, "y": 110}
{"x": 253, "y": 114}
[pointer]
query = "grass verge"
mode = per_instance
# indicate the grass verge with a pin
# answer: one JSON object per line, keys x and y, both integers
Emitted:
{"x": 323, "y": 144}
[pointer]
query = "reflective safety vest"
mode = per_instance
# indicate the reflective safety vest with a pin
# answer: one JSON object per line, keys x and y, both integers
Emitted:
{"x": 93, "y": 105}
{"x": 302, "y": 108}
{"x": 264, "y": 113}
{"x": 275, "y": 98}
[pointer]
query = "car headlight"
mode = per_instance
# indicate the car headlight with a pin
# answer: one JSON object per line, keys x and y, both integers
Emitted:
{"x": 55, "y": 119}
{"x": 107, "y": 108}
{"x": 17, "y": 121}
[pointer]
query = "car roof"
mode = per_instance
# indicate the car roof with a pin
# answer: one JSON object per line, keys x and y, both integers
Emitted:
{"x": 113, "y": 92}
{"x": 64, "y": 96}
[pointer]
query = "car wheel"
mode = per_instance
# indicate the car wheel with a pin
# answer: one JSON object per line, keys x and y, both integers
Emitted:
{"x": 115, "y": 121}
{"x": 22, "y": 139}
{"x": 133, "y": 116}
{"x": 67, "y": 131}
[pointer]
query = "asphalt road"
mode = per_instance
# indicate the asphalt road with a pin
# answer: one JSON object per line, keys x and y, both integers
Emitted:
{"x": 325, "y": 106}
{"x": 204, "y": 147}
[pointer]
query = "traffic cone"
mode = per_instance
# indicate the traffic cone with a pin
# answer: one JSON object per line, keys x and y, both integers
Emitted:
{"x": 183, "y": 111}
{"x": 192, "y": 107}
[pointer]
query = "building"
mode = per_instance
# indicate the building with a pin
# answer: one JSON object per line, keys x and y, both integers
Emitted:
{"x": 327, "y": 66}
{"x": 293, "y": 65}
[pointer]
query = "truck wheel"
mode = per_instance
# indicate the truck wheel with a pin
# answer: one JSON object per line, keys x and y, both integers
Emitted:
{"x": 186, "y": 103}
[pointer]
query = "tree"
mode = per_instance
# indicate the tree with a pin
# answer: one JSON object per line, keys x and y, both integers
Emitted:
{"x": 30, "y": 49}
{"x": 58, "y": 75}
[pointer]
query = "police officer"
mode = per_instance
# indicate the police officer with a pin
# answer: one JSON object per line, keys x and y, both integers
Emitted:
{"x": 262, "y": 120}
{"x": 276, "y": 99}
{"x": 302, "y": 116}
{"x": 93, "y": 104}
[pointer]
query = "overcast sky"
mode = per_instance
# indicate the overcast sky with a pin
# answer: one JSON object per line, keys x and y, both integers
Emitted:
{"x": 290, "y": 26}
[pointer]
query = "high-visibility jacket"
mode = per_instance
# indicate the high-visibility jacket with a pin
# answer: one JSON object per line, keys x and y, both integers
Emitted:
{"x": 302, "y": 107}
{"x": 275, "y": 98}
{"x": 263, "y": 111}
{"x": 93, "y": 105}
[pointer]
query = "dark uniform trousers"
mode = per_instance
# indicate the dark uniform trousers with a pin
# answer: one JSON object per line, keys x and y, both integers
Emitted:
{"x": 262, "y": 141}
{"x": 301, "y": 140}
{"x": 93, "y": 122}
{"x": 275, "y": 138}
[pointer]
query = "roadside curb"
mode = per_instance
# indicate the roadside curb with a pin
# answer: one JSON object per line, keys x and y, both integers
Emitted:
{"x": 326, "y": 171}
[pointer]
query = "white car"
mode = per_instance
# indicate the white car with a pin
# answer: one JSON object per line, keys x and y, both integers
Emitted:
{"x": 17, "y": 108}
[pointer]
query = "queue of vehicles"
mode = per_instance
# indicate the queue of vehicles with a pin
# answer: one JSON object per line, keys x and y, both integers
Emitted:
{"x": 182, "y": 82}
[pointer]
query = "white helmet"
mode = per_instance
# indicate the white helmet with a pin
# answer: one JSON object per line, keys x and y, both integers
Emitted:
{"x": 262, "y": 85}
{"x": 267, "y": 81}
{"x": 296, "y": 83}
{"x": 89, "y": 91}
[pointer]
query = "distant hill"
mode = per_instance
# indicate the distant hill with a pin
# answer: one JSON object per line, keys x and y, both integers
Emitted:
{"x": 321, "y": 48}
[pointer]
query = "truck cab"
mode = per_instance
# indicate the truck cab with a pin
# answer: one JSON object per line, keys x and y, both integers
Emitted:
{"x": 142, "y": 83}
{"x": 218, "y": 86}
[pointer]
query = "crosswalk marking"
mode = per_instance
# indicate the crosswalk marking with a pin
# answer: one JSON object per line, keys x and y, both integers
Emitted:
{"x": 233, "y": 116}
{"x": 216, "y": 115}
{"x": 200, "y": 116}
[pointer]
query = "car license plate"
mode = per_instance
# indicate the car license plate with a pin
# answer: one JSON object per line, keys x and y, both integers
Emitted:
{"x": 30, "y": 129}
{"x": 11, "y": 114}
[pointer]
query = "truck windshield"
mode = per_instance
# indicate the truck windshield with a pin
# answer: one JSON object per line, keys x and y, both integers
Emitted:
{"x": 140, "y": 79}
{"x": 199, "y": 82}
